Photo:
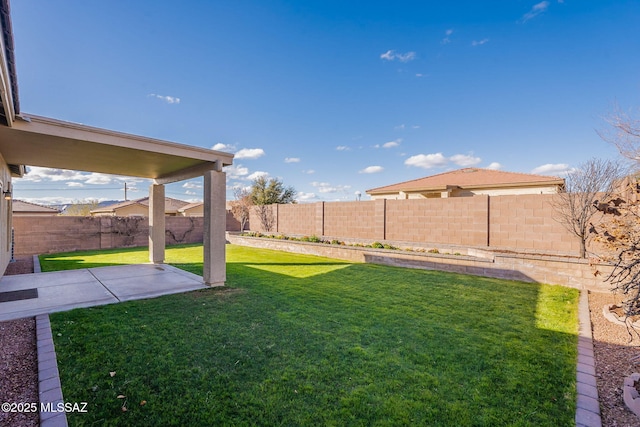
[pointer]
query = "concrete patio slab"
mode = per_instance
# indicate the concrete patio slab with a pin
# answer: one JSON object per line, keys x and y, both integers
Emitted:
{"x": 66, "y": 290}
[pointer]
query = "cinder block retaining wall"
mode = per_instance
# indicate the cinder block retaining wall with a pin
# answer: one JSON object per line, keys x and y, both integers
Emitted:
{"x": 566, "y": 271}
{"x": 522, "y": 223}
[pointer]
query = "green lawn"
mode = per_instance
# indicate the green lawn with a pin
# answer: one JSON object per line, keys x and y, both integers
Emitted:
{"x": 300, "y": 340}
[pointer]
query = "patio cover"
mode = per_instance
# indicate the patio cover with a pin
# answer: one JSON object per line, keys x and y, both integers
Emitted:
{"x": 41, "y": 141}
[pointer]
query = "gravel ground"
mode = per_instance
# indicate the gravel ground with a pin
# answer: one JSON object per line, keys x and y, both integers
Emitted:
{"x": 617, "y": 355}
{"x": 18, "y": 361}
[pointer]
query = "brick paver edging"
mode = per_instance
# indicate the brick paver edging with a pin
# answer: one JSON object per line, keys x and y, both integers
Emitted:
{"x": 49, "y": 388}
{"x": 588, "y": 405}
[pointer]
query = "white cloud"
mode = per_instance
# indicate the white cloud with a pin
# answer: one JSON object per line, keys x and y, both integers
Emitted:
{"x": 552, "y": 169}
{"x": 75, "y": 184}
{"x": 190, "y": 193}
{"x": 257, "y": 174}
{"x": 191, "y": 185}
{"x": 167, "y": 99}
{"x": 99, "y": 179}
{"x": 325, "y": 187}
{"x": 342, "y": 148}
{"x": 292, "y": 160}
{"x": 236, "y": 171}
{"x": 465, "y": 160}
{"x": 494, "y": 166}
{"x": 447, "y": 34}
{"x": 388, "y": 55}
{"x": 249, "y": 153}
{"x": 479, "y": 42}
{"x": 372, "y": 169}
{"x": 223, "y": 147}
{"x": 40, "y": 174}
{"x": 58, "y": 200}
{"x": 392, "y": 55}
{"x": 400, "y": 127}
{"x": 309, "y": 171}
{"x": 426, "y": 161}
{"x": 303, "y": 197}
{"x": 536, "y": 10}
{"x": 392, "y": 144}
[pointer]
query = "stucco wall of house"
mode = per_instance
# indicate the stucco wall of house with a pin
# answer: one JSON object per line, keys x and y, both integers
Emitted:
{"x": 508, "y": 191}
{"x": 5, "y": 217}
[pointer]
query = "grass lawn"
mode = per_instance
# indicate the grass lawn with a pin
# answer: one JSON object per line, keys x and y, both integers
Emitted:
{"x": 301, "y": 340}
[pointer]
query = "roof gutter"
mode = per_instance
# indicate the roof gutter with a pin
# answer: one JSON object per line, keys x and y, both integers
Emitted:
{"x": 8, "y": 76}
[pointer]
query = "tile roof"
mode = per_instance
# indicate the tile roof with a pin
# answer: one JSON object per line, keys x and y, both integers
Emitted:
{"x": 190, "y": 206}
{"x": 171, "y": 205}
{"x": 469, "y": 178}
{"x": 22, "y": 206}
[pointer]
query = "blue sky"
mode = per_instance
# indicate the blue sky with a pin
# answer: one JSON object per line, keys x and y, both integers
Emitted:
{"x": 332, "y": 97}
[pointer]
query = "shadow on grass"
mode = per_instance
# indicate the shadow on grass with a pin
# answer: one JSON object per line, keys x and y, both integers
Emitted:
{"x": 351, "y": 344}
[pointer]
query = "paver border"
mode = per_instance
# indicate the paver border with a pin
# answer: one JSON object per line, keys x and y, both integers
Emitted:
{"x": 49, "y": 388}
{"x": 587, "y": 405}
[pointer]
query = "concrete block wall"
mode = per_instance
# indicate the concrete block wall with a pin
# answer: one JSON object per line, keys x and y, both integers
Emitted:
{"x": 352, "y": 220}
{"x": 512, "y": 223}
{"x": 35, "y": 235}
{"x": 38, "y": 235}
{"x": 528, "y": 222}
{"x": 455, "y": 221}
{"x": 297, "y": 219}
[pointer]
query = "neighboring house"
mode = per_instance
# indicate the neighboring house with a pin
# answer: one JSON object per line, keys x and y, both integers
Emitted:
{"x": 22, "y": 208}
{"x": 27, "y": 139}
{"x": 192, "y": 209}
{"x": 470, "y": 182}
{"x": 139, "y": 207}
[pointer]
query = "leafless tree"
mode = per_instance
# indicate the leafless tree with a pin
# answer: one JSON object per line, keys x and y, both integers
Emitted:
{"x": 623, "y": 131}
{"x": 620, "y": 232}
{"x": 241, "y": 206}
{"x": 591, "y": 183}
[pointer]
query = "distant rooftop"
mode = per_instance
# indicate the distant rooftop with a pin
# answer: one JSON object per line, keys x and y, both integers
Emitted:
{"x": 469, "y": 178}
{"x": 20, "y": 206}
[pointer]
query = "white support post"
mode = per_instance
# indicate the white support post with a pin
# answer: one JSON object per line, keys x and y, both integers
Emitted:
{"x": 215, "y": 227}
{"x": 156, "y": 224}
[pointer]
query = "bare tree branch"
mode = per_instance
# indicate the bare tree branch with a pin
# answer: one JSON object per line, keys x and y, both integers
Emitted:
{"x": 593, "y": 181}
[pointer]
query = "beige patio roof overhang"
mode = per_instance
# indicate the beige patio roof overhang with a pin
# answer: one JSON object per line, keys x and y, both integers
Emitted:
{"x": 41, "y": 141}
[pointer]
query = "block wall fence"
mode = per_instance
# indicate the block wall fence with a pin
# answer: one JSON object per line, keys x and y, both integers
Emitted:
{"x": 502, "y": 223}
{"x": 523, "y": 223}
{"x": 39, "y": 235}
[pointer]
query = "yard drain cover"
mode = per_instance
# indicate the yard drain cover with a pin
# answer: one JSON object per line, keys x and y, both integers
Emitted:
{"x": 18, "y": 295}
